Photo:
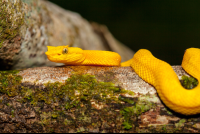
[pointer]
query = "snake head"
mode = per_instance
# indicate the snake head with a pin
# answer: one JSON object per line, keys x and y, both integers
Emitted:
{"x": 65, "y": 54}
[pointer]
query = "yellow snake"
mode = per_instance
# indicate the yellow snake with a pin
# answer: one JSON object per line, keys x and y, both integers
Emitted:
{"x": 152, "y": 70}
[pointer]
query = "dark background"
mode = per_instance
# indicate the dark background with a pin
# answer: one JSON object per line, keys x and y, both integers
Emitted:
{"x": 165, "y": 27}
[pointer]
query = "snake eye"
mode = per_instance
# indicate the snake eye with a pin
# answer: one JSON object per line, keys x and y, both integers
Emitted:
{"x": 65, "y": 51}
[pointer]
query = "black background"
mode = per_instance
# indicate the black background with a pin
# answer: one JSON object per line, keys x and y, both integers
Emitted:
{"x": 165, "y": 27}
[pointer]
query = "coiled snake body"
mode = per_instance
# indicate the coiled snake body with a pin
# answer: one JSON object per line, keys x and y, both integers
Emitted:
{"x": 154, "y": 71}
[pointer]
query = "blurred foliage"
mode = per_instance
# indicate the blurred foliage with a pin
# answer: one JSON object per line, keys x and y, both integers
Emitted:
{"x": 165, "y": 27}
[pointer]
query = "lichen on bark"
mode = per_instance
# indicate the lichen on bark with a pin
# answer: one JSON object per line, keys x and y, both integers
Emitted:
{"x": 10, "y": 19}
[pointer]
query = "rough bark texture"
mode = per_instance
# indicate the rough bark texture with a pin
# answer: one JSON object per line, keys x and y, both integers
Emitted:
{"x": 125, "y": 77}
{"x": 28, "y": 26}
{"x": 33, "y": 109}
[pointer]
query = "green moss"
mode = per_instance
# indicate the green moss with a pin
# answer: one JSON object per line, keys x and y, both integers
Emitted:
{"x": 75, "y": 89}
{"x": 164, "y": 128}
{"x": 54, "y": 114}
{"x": 45, "y": 118}
{"x": 10, "y": 21}
{"x": 130, "y": 112}
{"x": 67, "y": 122}
{"x": 189, "y": 82}
{"x": 81, "y": 129}
{"x": 128, "y": 100}
{"x": 10, "y": 82}
{"x": 126, "y": 91}
{"x": 180, "y": 123}
{"x": 127, "y": 125}
{"x": 168, "y": 112}
{"x": 78, "y": 92}
{"x": 12, "y": 113}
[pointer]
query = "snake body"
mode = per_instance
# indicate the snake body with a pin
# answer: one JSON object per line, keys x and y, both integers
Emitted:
{"x": 152, "y": 70}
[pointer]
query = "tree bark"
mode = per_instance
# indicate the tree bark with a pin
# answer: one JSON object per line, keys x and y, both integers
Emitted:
{"x": 31, "y": 110}
{"x": 27, "y": 27}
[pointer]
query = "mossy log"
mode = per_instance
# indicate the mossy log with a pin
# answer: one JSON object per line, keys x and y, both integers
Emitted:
{"x": 85, "y": 99}
{"x": 28, "y": 26}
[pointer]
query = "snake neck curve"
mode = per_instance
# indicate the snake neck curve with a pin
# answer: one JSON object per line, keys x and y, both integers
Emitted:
{"x": 102, "y": 58}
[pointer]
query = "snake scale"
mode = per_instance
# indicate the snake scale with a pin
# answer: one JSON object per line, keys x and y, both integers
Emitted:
{"x": 152, "y": 70}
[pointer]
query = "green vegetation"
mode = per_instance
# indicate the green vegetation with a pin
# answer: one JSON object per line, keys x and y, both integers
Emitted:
{"x": 189, "y": 82}
{"x": 10, "y": 82}
{"x": 10, "y": 21}
{"x": 75, "y": 91}
{"x": 130, "y": 112}
{"x": 82, "y": 95}
{"x": 12, "y": 113}
{"x": 180, "y": 123}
